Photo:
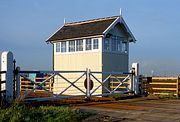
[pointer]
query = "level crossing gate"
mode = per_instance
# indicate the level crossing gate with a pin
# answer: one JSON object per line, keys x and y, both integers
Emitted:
{"x": 88, "y": 79}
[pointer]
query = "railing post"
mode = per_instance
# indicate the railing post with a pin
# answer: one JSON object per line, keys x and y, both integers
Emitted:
{"x": 18, "y": 82}
{"x": 88, "y": 83}
{"x": 135, "y": 66}
{"x": 131, "y": 80}
{"x": 7, "y": 65}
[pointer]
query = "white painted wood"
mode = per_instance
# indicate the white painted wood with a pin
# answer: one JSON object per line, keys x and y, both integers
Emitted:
{"x": 136, "y": 77}
{"x": 7, "y": 65}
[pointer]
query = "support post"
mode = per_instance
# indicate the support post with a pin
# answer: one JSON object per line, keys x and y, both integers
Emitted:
{"x": 135, "y": 66}
{"x": 18, "y": 82}
{"x": 177, "y": 87}
{"x": 88, "y": 83}
{"x": 7, "y": 65}
{"x": 131, "y": 80}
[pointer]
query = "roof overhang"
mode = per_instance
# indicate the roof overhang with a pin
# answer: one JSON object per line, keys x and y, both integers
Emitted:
{"x": 96, "y": 36}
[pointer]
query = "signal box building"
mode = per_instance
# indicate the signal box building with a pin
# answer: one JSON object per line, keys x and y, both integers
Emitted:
{"x": 100, "y": 44}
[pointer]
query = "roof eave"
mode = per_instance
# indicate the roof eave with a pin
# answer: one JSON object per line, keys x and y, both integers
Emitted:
{"x": 121, "y": 20}
{"x": 133, "y": 39}
{"x": 111, "y": 26}
{"x": 49, "y": 41}
{"x": 85, "y": 37}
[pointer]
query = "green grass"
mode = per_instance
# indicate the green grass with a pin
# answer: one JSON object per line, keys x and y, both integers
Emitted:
{"x": 27, "y": 113}
{"x": 120, "y": 96}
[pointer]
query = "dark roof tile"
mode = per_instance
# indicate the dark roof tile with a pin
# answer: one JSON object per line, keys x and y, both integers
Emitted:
{"x": 83, "y": 29}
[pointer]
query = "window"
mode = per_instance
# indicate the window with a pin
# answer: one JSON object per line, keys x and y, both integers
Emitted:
{"x": 79, "y": 45}
{"x": 71, "y": 46}
{"x": 88, "y": 44}
{"x": 95, "y": 44}
{"x": 119, "y": 45}
{"x": 107, "y": 44}
{"x": 124, "y": 47}
{"x": 63, "y": 46}
{"x": 58, "y": 47}
{"x": 114, "y": 44}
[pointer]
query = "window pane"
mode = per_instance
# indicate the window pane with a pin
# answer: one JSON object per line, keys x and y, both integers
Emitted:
{"x": 124, "y": 47}
{"x": 63, "y": 46}
{"x": 79, "y": 45}
{"x": 71, "y": 46}
{"x": 114, "y": 43}
{"x": 58, "y": 47}
{"x": 95, "y": 44}
{"x": 118, "y": 45}
{"x": 107, "y": 44}
{"x": 88, "y": 44}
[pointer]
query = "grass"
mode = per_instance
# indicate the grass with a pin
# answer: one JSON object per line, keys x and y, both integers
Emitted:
{"x": 165, "y": 96}
{"x": 120, "y": 96}
{"x": 26, "y": 113}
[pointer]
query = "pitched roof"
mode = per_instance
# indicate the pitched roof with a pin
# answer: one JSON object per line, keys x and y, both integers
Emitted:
{"x": 83, "y": 29}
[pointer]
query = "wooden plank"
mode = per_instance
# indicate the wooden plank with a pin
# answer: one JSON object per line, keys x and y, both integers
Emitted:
{"x": 169, "y": 89}
{"x": 118, "y": 87}
{"x": 114, "y": 77}
{"x": 160, "y": 83}
{"x": 177, "y": 86}
{"x": 164, "y": 78}
{"x": 164, "y": 93}
{"x": 116, "y": 82}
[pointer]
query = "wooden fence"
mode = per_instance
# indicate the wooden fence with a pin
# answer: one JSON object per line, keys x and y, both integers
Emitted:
{"x": 160, "y": 85}
{"x": 114, "y": 83}
{"x": 26, "y": 85}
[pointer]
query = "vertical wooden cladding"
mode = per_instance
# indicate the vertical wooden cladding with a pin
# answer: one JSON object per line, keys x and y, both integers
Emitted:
{"x": 160, "y": 85}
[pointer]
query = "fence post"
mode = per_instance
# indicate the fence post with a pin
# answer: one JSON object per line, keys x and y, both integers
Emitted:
{"x": 7, "y": 65}
{"x": 131, "y": 81}
{"x": 88, "y": 83}
{"x": 18, "y": 82}
{"x": 135, "y": 66}
{"x": 177, "y": 87}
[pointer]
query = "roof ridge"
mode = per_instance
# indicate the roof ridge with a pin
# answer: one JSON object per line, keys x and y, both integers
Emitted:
{"x": 92, "y": 20}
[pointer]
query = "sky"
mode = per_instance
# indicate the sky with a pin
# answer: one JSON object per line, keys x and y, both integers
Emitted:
{"x": 26, "y": 24}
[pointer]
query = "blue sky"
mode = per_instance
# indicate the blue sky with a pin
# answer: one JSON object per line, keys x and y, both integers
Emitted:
{"x": 26, "y": 24}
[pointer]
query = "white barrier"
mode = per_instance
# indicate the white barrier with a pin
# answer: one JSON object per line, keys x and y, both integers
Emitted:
{"x": 7, "y": 65}
{"x": 135, "y": 66}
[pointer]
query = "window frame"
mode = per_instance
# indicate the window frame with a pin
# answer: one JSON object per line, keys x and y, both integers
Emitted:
{"x": 88, "y": 44}
{"x": 58, "y": 49}
{"x": 95, "y": 45}
{"x": 107, "y": 46}
{"x": 63, "y": 48}
{"x": 79, "y": 45}
{"x": 71, "y": 46}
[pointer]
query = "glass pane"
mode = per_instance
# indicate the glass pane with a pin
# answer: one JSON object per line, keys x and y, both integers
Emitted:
{"x": 58, "y": 47}
{"x": 124, "y": 47}
{"x": 95, "y": 44}
{"x": 79, "y": 45}
{"x": 71, "y": 46}
{"x": 114, "y": 44}
{"x": 88, "y": 44}
{"x": 107, "y": 45}
{"x": 63, "y": 46}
